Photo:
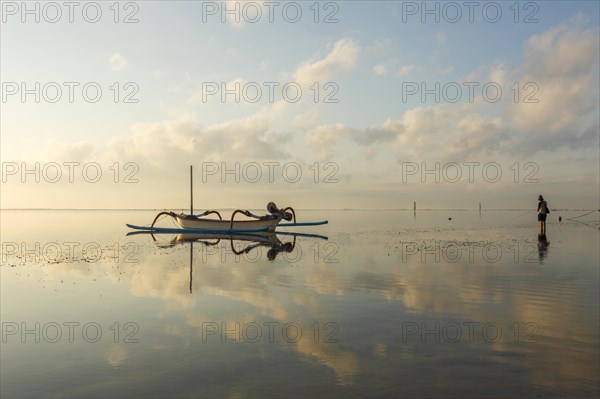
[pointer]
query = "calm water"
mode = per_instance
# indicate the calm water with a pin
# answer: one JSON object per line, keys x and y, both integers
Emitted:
{"x": 391, "y": 304}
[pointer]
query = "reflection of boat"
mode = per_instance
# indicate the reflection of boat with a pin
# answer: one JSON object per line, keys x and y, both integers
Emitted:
{"x": 200, "y": 223}
{"x": 255, "y": 240}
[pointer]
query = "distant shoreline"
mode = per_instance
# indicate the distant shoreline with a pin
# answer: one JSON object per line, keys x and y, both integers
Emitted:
{"x": 303, "y": 209}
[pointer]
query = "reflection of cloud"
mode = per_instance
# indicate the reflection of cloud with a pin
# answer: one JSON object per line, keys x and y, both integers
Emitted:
{"x": 460, "y": 290}
{"x": 380, "y": 350}
{"x": 343, "y": 362}
{"x": 116, "y": 355}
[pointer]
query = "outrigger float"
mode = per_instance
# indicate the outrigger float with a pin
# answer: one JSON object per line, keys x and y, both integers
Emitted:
{"x": 190, "y": 223}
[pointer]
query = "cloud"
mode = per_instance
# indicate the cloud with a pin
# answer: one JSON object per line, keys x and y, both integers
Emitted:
{"x": 560, "y": 74}
{"x": 386, "y": 132}
{"x": 77, "y": 151}
{"x": 380, "y": 69}
{"x": 234, "y": 18}
{"x": 118, "y": 62}
{"x": 187, "y": 140}
{"x": 559, "y": 69}
{"x": 440, "y": 38}
{"x": 446, "y": 133}
{"x": 342, "y": 57}
{"x": 405, "y": 70}
{"x": 323, "y": 139}
{"x": 381, "y": 45}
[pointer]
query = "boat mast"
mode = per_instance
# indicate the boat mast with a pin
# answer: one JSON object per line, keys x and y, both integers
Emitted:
{"x": 191, "y": 192}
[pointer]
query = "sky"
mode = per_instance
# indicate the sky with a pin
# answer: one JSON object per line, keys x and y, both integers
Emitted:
{"x": 342, "y": 104}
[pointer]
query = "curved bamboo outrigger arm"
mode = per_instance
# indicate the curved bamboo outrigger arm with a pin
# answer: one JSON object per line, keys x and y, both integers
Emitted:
{"x": 209, "y": 212}
{"x": 162, "y": 213}
{"x": 236, "y": 212}
{"x": 291, "y": 209}
{"x": 245, "y": 250}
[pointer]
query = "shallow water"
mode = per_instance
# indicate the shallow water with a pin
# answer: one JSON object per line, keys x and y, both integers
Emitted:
{"x": 391, "y": 304}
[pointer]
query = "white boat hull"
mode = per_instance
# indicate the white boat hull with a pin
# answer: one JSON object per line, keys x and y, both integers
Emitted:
{"x": 214, "y": 224}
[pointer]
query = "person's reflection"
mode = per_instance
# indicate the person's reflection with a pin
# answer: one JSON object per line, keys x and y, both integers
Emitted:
{"x": 542, "y": 246}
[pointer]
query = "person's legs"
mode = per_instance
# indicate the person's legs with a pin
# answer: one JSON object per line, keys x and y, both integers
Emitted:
{"x": 543, "y": 224}
{"x": 543, "y": 227}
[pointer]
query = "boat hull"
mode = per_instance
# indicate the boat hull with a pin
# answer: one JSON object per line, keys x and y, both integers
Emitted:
{"x": 185, "y": 222}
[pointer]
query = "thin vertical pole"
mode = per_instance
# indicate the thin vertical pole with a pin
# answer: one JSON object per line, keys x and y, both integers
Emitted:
{"x": 191, "y": 192}
{"x": 191, "y": 263}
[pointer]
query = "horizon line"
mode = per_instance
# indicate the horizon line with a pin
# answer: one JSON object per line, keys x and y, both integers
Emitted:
{"x": 304, "y": 209}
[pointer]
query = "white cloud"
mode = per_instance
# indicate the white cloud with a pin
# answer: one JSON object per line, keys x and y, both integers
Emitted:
{"x": 323, "y": 139}
{"x": 380, "y": 69}
{"x": 561, "y": 72}
{"x": 443, "y": 71}
{"x": 234, "y": 18}
{"x": 187, "y": 140}
{"x": 440, "y": 37}
{"x": 118, "y": 62}
{"x": 307, "y": 119}
{"x": 406, "y": 69}
{"x": 342, "y": 57}
{"x": 382, "y": 46}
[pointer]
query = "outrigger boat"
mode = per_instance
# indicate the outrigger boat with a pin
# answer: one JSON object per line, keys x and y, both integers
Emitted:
{"x": 190, "y": 223}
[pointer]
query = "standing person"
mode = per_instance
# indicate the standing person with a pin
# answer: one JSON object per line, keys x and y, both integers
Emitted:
{"x": 542, "y": 210}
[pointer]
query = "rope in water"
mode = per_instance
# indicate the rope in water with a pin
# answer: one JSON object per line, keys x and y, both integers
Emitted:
{"x": 580, "y": 216}
{"x": 523, "y": 214}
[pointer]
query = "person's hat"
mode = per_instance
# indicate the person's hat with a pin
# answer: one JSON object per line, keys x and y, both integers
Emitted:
{"x": 540, "y": 197}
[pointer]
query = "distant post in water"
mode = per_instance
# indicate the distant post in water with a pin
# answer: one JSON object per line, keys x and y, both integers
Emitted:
{"x": 480, "y": 207}
{"x": 414, "y": 206}
{"x": 191, "y": 191}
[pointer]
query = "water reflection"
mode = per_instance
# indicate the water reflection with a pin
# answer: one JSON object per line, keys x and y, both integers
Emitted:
{"x": 373, "y": 284}
{"x": 254, "y": 241}
{"x": 269, "y": 240}
{"x": 542, "y": 247}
